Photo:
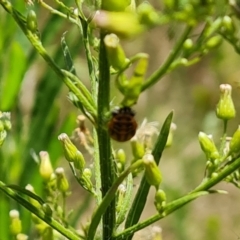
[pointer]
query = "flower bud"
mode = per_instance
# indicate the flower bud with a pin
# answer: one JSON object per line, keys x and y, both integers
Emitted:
{"x": 227, "y": 24}
{"x": 45, "y": 167}
{"x": 85, "y": 180}
{"x": 62, "y": 182}
{"x": 225, "y": 108}
{"x": 214, "y": 174}
{"x": 133, "y": 88}
{"x": 138, "y": 150}
{"x": 115, "y": 5}
{"x": 121, "y": 156}
{"x": 211, "y": 167}
{"x": 124, "y": 24}
{"x": 152, "y": 172}
{"x": 115, "y": 53}
{"x": 32, "y": 21}
{"x": 16, "y": 224}
{"x": 234, "y": 146}
{"x": 213, "y": 42}
{"x": 72, "y": 154}
{"x": 160, "y": 200}
{"x": 147, "y": 14}
{"x": 208, "y": 146}
{"x": 188, "y": 44}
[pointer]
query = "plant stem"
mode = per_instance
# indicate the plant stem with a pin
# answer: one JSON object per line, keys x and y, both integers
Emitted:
{"x": 106, "y": 161}
{"x": 176, "y": 204}
{"x": 164, "y": 68}
{"x": 39, "y": 213}
{"x": 108, "y": 198}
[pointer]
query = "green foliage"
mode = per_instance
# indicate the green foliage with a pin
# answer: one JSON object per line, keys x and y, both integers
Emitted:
{"x": 30, "y": 152}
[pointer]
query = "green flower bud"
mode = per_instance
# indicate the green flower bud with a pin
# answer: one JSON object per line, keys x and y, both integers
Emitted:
{"x": 21, "y": 236}
{"x": 211, "y": 167}
{"x": 152, "y": 172}
{"x": 16, "y": 224}
{"x": 87, "y": 173}
{"x": 208, "y": 146}
{"x": 147, "y": 14}
{"x": 120, "y": 167}
{"x": 124, "y": 24}
{"x": 188, "y": 44}
{"x": 32, "y": 21}
{"x": 213, "y": 42}
{"x": 214, "y": 174}
{"x": 138, "y": 150}
{"x": 72, "y": 154}
{"x": 133, "y": 88}
{"x": 45, "y": 167}
{"x": 160, "y": 200}
{"x": 228, "y": 25}
{"x": 85, "y": 180}
{"x": 234, "y": 146}
{"x": 116, "y": 55}
{"x": 121, "y": 156}
{"x": 62, "y": 182}
{"x": 225, "y": 108}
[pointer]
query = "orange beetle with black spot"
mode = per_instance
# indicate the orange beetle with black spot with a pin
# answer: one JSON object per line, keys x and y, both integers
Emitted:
{"x": 122, "y": 126}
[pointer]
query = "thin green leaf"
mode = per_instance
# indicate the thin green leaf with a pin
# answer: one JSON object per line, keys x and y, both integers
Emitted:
{"x": 141, "y": 196}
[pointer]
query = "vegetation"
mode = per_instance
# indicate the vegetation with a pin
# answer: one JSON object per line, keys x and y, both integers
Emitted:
{"x": 38, "y": 127}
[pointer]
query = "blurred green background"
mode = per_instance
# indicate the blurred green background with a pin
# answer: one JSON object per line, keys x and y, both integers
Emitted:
{"x": 41, "y": 111}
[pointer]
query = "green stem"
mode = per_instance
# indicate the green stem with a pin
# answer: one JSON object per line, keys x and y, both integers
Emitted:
{"x": 83, "y": 96}
{"x": 223, "y": 140}
{"x": 170, "y": 207}
{"x": 106, "y": 160}
{"x": 176, "y": 204}
{"x": 108, "y": 198}
{"x": 164, "y": 68}
{"x": 221, "y": 176}
{"x": 39, "y": 213}
{"x": 54, "y": 11}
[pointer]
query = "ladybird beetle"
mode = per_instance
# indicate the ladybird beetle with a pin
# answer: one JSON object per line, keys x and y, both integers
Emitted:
{"x": 122, "y": 127}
